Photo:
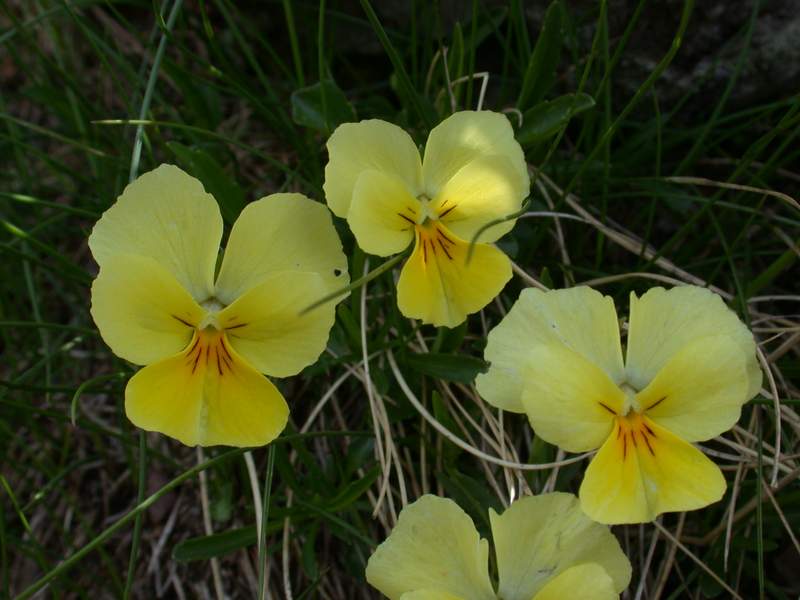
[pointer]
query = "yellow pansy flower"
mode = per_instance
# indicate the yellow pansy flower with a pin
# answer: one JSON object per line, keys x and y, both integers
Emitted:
{"x": 206, "y": 340}
{"x": 546, "y": 549}
{"x": 690, "y": 365}
{"x": 473, "y": 172}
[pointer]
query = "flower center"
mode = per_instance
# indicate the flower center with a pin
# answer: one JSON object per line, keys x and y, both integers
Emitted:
{"x": 633, "y": 432}
{"x": 210, "y": 349}
{"x": 630, "y": 399}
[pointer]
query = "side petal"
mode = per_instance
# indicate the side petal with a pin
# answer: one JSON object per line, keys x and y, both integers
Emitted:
{"x": 265, "y": 325}
{"x": 167, "y": 215}
{"x": 539, "y": 539}
{"x": 465, "y": 136}
{"x": 434, "y": 546}
{"x": 142, "y": 312}
{"x": 580, "y": 318}
{"x": 664, "y": 321}
{"x": 383, "y": 213}
{"x": 588, "y": 581}
{"x": 281, "y": 232}
{"x": 486, "y": 189}
{"x": 437, "y": 285}
{"x": 700, "y": 391}
{"x": 642, "y": 471}
{"x": 569, "y": 400}
{"x": 369, "y": 145}
{"x": 207, "y": 395}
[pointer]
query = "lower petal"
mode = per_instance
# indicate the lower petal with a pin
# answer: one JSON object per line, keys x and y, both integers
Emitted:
{"x": 588, "y": 581}
{"x": 429, "y": 594}
{"x": 644, "y": 470}
{"x": 206, "y": 395}
{"x": 438, "y": 286}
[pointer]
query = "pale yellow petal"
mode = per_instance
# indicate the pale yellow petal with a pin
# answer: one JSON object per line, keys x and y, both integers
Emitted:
{"x": 430, "y": 594}
{"x": 664, "y": 321}
{"x": 265, "y": 325}
{"x": 588, "y": 581}
{"x": 369, "y": 145}
{"x": 438, "y": 286}
{"x": 281, "y": 232}
{"x": 541, "y": 537}
{"x": 643, "y": 470}
{"x": 383, "y": 213}
{"x": 569, "y": 400}
{"x": 142, "y": 312}
{"x": 167, "y": 215}
{"x": 434, "y": 546}
{"x": 465, "y": 136}
{"x": 699, "y": 392}
{"x": 580, "y": 318}
{"x": 484, "y": 190}
{"x": 207, "y": 395}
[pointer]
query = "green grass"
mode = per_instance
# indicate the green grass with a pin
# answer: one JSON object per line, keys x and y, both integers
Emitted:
{"x": 92, "y": 92}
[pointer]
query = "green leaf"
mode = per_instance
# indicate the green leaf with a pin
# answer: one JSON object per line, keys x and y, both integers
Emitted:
{"x": 200, "y": 164}
{"x": 541, "y": 72}
{"x": 217, "y": 544}
{"x": 448, "y": 367}
{"x": 309, "y": 110}
{"x": 546, "y": 118}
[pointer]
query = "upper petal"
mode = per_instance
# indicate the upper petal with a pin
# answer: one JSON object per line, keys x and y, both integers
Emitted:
{"x": 644, "y": 470}
{"x": 699, "y": 393}
{"x": 265, "y": 325}
{"x": 569, "y": 400}
{"x": 438, "y": 286}
{"x": 465, "y": 136}
{"x": 281, "y": 232}
{"x": 540, "y": 537}
{"x": 207, "y": 395}
{"x": 588, "y": 581}
{"x": 368, "y": 145}
{"x": 664, "y": 321}
{"x": 580, "y": 318}
{"x": 142, "y": 312}
{"x": 383, "y": 213}
{"x": 483, "y": 190}
{"x": 167, "y": 215}
{"x": 434, "y": 546}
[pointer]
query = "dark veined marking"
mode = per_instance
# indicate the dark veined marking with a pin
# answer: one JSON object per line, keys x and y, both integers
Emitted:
{"x": 650, "y": 431}
{"x": 236, "y": 326}
{"x": 424, "y": 250}
{"x": 647, "y": 441}
{"x": 219, "y": 365}
{"x": 633, "y": 439}
{"x": 607, "y": 407}
{"x": 177, "y": 318}
{"x": 402, "y": 216}
{"x": 197, "y": 359}
{"x": 447, "y": 239}
{"x": 624, "y": 446}
{"x": 657, "y": 402}
{"x": 619, "y": 430}
{"x": 447, "y": 211}
{"x": 196, "y": 341}
{"x": 443, "y": 248}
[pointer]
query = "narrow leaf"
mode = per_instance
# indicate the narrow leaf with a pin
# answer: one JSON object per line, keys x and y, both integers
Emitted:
{"x": 546, "y": 118}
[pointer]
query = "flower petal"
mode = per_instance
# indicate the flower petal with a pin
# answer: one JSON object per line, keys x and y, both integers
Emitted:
{"x": 265, "y": 327}
{"x": 369, "y": 145}
{"x": 142, "y": 312}
{"x": 434, "y": 546}
{"x": 700, "y": 391}
{"x": 167, "y": 215}
{"x": 569, "y": 400}
{"x": 486, "y": 189}
{"x": 643, "y": 470}
{"x": 465, "y": 136}
{"x": 540, "y": 537}
{"x": 580, "y": 318}
{"x": 664, "y": 321}
{"x": 429, "y": 594}
{"x": 437, "y": 285}
{"x": 281, "y": 232}
{"x": 588, "y": 581}
{"x": 207, "y": 395}
{"x": 383, "y": 213}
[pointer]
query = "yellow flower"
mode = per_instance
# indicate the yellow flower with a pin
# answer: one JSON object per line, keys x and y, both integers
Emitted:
{"x": 546, "y": 549}
{"x": 474, "y": 172}
{"x": 690, "y": 366}
{"x": 206, "y": 340}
